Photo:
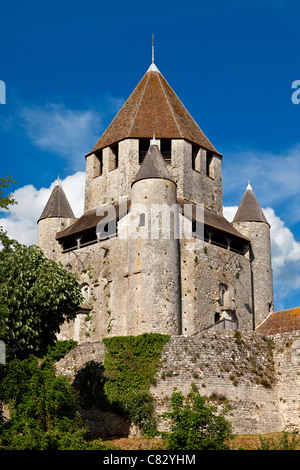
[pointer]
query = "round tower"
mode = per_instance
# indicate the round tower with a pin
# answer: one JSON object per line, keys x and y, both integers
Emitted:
{"x": 154, "y": 303}
{"x": 56, "y": 216}
{"x": 251, "y": 222}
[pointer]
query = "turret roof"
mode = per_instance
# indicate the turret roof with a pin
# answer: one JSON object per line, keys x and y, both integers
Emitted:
{"x": 153, "y": 108}
{"x": 249, "y": 209}
{"x": 153, "y": 166}
{"x": 57, "y": 205}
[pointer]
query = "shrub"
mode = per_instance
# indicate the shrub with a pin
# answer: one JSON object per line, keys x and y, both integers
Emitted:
{"x": 195, "y": 424}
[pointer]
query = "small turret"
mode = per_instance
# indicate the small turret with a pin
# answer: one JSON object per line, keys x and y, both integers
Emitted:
{"x": 251, "y": 221}
{"x": 154, "y": 303}
{"x": 56, "y": 216}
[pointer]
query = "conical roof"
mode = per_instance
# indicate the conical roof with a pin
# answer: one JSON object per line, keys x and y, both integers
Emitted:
{"x": 249, "y": 209}
{"x": 153, "y": 108}
{"x": 153, "y": 166}
{"x": 57, "y": 205}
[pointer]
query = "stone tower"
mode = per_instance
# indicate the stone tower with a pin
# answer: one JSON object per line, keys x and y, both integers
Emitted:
{"x": 56, "y": 216}
{"x": 158, "y": 277}
{"x": 251, "y": 222}
{"x": 154, "y": 260}
{"x": 153, "y": 108}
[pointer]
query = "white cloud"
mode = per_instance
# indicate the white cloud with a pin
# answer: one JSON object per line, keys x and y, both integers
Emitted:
{"x": 274, "y": 178}
{"x": 285, "y": 251}
{"x": 70, "y": 133}
{"x": 55, "y": 128}
{"x": 21, "y": 221}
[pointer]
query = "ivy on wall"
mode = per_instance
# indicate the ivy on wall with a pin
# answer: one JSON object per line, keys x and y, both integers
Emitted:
{"x": 122, "y": 384}
{"x": 131, "y": 363}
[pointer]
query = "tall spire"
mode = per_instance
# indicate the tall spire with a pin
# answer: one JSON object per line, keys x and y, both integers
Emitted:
{"x": 153, "y": 67}
{"x": 152, "y": 48}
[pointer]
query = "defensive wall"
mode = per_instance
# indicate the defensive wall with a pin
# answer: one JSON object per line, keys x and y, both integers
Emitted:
{"x": 257, "y": 375}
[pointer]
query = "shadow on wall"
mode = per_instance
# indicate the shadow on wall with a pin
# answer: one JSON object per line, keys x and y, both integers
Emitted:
{"x": 96, "y": 410}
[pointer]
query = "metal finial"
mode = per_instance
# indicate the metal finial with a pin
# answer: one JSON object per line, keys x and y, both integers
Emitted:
{"x": 153, "y": 67}
{"x": 152, "y": 48}
{"x": 153, "y": 141}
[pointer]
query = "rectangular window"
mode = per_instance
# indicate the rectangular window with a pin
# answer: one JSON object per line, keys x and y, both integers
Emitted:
{"x": 210, "y": 164}
{"x": 165, "y": 148}
{"x": 144, "y": 145}
{"x": 113, "y": 157}
{"x": 142, "y": 219}
{"x": 98, "y": 164}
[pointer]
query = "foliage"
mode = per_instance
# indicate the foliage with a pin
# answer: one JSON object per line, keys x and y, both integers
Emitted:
{"x": 196, "y": 424}
{"x": 43, "y": 409}
{"x": 6, "y": 200}
{"x": 284, "y": 442}
{"x": 123, "y": 383}
{"x": 60, "y": 349}
{"x": 36, "y": 296}
{"x": 131, "y": 362}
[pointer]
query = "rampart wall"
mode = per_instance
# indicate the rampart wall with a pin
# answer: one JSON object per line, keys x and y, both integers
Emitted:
{"x": 258, "y": 375}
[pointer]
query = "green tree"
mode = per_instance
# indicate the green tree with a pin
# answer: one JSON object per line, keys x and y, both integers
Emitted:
{"x": 6, "y": 200}
{"x": 196, "y": 424}
{"x": 37, "y": 295}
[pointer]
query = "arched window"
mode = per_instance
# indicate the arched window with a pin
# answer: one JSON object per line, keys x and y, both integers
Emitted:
{"x": 86, "y": 292}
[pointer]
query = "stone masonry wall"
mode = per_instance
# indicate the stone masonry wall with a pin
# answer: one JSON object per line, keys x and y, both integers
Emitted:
{"x": 259, "y": 375}
{"x": 203, "y": 268}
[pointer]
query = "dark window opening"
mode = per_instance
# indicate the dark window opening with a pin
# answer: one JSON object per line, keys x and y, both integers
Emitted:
{"x": 237, "y": 246}
{"x": 217, "y": 317}
{"x": 98, "y": 168}
{"x": 206, "y": 236}
{"x": 69, "y": 244}
{"x": 144, "y": 145}
{"x": 222, "y": 292}
{"x": 88, "y": 238}
{"x": 219, "y": 240}
{"x": 115, "y": 151}
{"x": 165, "y": 148}
{"x": 209, "y": 163}
{"x": 142, "y": 220}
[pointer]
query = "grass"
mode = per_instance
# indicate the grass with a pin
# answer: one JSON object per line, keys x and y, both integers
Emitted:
{"x": 241, "y": 442}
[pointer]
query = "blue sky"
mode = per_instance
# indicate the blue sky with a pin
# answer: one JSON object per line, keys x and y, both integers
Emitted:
{"x": 69, "y": 66}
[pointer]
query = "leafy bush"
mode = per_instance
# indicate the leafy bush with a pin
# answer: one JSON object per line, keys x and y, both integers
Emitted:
{"x": 60, "y": 349}
{"x": 195, "y": 424}
{"x": 43, "y": 409}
